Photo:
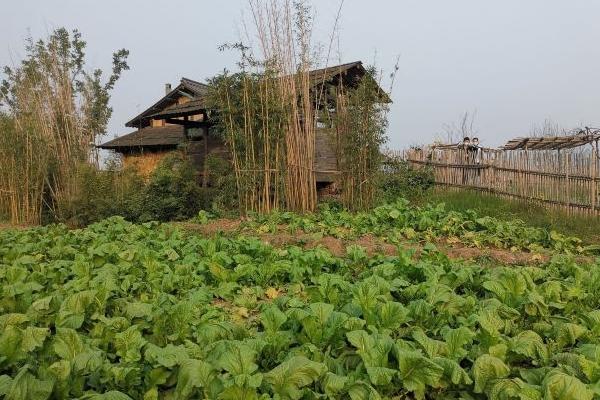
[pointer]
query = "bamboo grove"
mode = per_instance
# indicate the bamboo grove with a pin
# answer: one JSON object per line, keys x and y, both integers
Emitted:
{"x": 360, "y": 122}
{"x": 269, "y": 113}
{"x": 53, "y": 111}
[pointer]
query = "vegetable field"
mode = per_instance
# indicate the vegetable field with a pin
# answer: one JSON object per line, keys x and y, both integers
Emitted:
{"x": 118, "y": 310}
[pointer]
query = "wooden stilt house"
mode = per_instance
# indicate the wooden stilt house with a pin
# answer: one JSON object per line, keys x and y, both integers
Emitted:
{"x": 180, "y": 120}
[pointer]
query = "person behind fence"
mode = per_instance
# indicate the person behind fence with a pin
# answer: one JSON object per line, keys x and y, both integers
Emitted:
{"x": 463, "y": 156}
{"x": 475, "y": 151}
{"x": 466, "y": 142}
{"x": 475, "y": 156}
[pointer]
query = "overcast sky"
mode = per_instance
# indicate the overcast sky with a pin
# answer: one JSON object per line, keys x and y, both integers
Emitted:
{"x": 514, "y": 62}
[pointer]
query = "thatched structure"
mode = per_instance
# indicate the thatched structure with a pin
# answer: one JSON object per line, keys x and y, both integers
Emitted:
{"x": 582, "y": 138}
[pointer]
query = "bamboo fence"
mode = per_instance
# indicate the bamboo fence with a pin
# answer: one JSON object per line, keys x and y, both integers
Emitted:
{"x": 566, "y": 179}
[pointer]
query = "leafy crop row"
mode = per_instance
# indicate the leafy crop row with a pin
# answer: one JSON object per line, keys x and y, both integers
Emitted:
{"x": 118, "y": 311}
{"x": 400, "y": 221}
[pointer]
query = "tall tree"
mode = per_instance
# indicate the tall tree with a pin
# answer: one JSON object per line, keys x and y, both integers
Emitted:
{"x": 56, "y": 109}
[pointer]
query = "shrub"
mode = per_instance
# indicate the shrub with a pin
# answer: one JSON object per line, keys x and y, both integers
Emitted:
{"x": 172, "y": 191}
{"x": 222, "y": 184}
{"x": 101, "y": 194}
{"x": 400, "y": 179}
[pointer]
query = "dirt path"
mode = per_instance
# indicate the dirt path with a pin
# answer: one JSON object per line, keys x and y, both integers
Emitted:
{"x": 372, "y": 244}
{"x": 6, "y": 226}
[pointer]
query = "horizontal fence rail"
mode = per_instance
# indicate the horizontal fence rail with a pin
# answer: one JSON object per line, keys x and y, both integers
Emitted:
{"x": 563, "y": 179}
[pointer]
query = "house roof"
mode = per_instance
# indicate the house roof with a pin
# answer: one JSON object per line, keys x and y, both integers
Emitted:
{"x": 186, "y": 85}
{"x": 192, "y": 107}
{"x": 197, "y": 89}
{"x": 169, "y": 135}
{"x": 326, "y": 73}
{"x": 166, "y": 107}
{"x": 348, "y": 73}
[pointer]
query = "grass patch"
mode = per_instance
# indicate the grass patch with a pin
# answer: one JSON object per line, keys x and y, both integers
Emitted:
{"x": 585, "y": 227}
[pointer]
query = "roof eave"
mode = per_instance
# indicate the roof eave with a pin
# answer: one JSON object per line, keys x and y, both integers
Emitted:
{"x": 184, "y": 84}
{"x": 152, "y": 108}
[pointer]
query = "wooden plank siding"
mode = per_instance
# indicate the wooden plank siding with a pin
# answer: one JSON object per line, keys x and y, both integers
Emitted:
{"x": 326, "y": 163}
{"x": 195, "y": 151}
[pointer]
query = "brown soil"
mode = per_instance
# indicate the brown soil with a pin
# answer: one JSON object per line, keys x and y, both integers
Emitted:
{"x": 214, "y": 226}
{"x": 371, "y": 243}
{"x": 4, "y": 226}
{"x": 502, "y": 255}
{"x": 336, "y": 246}
{"x": 375, "y": 245}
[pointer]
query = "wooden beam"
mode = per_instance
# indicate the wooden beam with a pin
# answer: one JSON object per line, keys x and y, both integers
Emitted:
{"x": 189, "y": 124}
{"x": 186, "y": 94}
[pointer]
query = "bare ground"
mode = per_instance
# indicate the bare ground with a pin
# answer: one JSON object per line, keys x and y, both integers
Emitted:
{"x": 372, "y": 244}
{"x": 4, "y": 226}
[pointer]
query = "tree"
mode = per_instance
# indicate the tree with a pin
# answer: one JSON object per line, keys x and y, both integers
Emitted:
{"x": 57, "y": 110}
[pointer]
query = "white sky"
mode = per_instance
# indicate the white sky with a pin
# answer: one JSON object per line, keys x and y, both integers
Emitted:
{"x": 515, "y": 62}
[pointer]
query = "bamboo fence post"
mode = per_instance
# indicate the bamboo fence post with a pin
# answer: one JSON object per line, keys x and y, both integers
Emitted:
{"x": 560, "y": 179}
{"x": 593, "y": 176}
{"x": 524, "y": 175}
{"x": 566, "y": 198}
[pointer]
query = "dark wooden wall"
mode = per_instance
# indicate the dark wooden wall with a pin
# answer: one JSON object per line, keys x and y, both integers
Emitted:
{"x": 196, "y": 149}
{"x": 326, "y": 163}
{"x": 325, "y": 155}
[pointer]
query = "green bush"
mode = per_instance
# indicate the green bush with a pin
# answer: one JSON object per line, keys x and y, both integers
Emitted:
{"x": 400, "y": 179}
{"x": 222, "y": 184}
{"x": 172, "y": 192}
{"x": 101, "y": 194}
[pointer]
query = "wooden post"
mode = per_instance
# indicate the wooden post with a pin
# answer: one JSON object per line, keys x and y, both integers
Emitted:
{"x": 593, "y": 176}
{"x": 524, "y": 181}
{"x": 205, "y": 134}
{"x": 567, "y": 198}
